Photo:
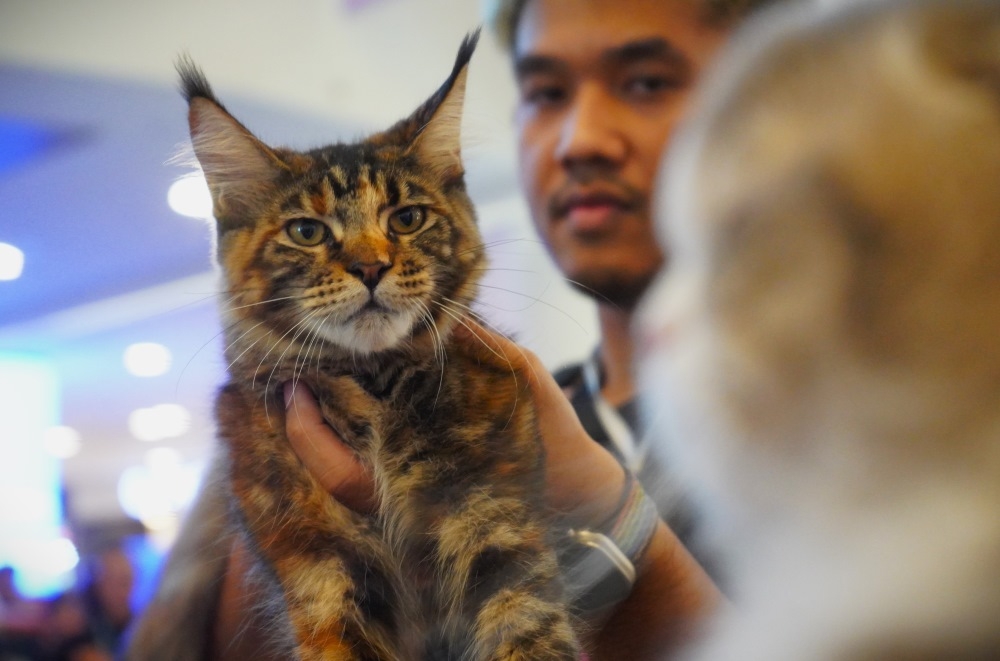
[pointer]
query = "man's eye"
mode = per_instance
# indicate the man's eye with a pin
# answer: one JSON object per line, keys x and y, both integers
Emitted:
{"x": 543, "y": 94}
{"x": 650, "y": 85}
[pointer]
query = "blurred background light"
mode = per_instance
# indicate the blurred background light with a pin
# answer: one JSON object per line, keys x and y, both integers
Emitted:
{"x": 156, "y": 423}
{"x": 159, "y": 490}
{"x": 61, "y": 442}
{"x": 31, "y": 514}
{"x": 189, "y": 196}
{"x": 11, "y": 262}
{"x": 147, "y": 359}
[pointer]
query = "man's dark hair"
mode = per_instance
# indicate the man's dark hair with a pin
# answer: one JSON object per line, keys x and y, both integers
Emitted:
{"x": 503, "y": 15}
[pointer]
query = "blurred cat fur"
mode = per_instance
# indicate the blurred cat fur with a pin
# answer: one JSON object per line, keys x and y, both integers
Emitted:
{"x": 827, "y": 337}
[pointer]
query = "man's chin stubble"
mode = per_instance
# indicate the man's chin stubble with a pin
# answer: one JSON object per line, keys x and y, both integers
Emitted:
{"x": 613, "y": 289}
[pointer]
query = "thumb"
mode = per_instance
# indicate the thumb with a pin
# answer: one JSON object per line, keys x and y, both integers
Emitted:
{"x": 337, "y": 468}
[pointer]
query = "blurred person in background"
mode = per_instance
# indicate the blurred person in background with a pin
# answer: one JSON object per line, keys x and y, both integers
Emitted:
{"x": 107, "y": 598}
{"x": 21, "y": 620}
{"x": 88, "y": 623}
{"x": 601, "y": 87}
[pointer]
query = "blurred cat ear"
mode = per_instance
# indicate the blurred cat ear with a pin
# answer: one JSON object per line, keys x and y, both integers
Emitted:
{"x": 436, "y": 127}
{"x": 239, "y": 168}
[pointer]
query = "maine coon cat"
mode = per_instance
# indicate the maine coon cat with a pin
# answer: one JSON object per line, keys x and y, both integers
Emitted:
{"x": 348, "y": 267}
{"x": 827, "y": 337}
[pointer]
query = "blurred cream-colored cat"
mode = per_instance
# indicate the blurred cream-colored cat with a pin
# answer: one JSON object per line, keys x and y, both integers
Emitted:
{"x": 827, "y": 336}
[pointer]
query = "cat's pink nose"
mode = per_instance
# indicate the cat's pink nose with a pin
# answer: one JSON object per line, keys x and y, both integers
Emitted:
{"x": 369, "y": 273}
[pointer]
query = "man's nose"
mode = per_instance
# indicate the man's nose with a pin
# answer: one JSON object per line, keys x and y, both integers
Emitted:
{"x": 591, "y": 132}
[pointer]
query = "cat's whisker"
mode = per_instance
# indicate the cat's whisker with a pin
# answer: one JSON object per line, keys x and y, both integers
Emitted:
{"x": 460, "y": 318}
{"x": 491, "y": 326}
{"x": 314, "y": 341}
{"x": 301, "y": 326}
{"x": 294, "y": 326}
{"x": 592, "y": 292}
{"x": 319, "y": 355}
{"x": 249, "y": 347}
{"x": 301, "y": 357}
{"x": 264, "y": 302}
{"x": 486, "y": 245}
{"x": 440, "y": 353}
{"x": 241, "y": 336}
{"x": 187, "y": 364}
{"x": 491, "y": 269}
{"x": 498, "y": 352}
{"x": 438, "y": 342}
{"x": 537, "y": 299}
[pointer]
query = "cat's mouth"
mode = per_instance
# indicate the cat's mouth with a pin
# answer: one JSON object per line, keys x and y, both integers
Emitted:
{"x": 373, "y": 306}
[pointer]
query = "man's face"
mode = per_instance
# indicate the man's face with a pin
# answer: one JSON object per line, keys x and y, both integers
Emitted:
{"x": 602, "y": 83}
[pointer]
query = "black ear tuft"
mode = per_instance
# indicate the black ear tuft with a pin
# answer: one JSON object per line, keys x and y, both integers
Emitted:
{"x": 465, "y": 51}
{"x": 407, "y": 130}
{"x": 193, "y": 82}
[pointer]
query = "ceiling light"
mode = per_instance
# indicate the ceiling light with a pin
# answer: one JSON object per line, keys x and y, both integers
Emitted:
{"x": 61, "y": 442}
{"x": 147, "y": 359}
{"x": 189, "y": 196}
{"x": 11, "y": 262}
{"x": 159, "y": 422}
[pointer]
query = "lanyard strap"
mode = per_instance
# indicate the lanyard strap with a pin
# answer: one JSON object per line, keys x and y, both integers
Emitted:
{"x": 614, "y": 424}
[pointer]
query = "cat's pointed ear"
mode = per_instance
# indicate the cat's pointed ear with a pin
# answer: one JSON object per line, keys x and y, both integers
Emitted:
{"x": 240, "y": 169}
{"x": 437, "y": 124}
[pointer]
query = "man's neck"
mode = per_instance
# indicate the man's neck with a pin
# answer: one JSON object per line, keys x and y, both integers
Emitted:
{"x": 616, "y": 354}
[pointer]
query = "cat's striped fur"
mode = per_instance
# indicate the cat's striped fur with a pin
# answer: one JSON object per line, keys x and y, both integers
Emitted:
{"x": 348, "y": 267}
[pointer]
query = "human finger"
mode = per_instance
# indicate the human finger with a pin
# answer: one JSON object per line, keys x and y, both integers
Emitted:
{"x": 323, "y": 453}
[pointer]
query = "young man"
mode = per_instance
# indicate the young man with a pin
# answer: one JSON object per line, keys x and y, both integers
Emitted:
{"x": 602, "y": 83}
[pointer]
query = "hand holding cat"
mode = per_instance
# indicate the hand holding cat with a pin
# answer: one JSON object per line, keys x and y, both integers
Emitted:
{"x": 335, "y": 466}
{"x": 584, "y": 481}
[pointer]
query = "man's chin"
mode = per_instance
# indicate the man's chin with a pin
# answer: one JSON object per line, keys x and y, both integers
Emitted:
{"x": 616, "y": 290}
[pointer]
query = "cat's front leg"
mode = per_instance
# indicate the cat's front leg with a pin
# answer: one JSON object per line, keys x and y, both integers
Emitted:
{"x": 322, "y": 555}
{"x": 500, "y": 574}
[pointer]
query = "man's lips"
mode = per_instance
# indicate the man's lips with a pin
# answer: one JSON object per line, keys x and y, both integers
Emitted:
{"x": 591, "y": 216}
{"x": 591, "y": 211}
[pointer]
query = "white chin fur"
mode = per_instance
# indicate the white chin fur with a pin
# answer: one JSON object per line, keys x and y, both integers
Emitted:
{"x": 371, "y": 332}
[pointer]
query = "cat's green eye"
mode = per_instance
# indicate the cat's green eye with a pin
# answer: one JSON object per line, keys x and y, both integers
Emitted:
{"x": 407, "y": 220}
{"x": 306, "y": 231}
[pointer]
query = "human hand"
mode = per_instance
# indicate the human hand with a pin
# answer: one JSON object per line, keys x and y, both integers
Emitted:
{"x": 583, "y": 481}
{"x": 323, "y": 453}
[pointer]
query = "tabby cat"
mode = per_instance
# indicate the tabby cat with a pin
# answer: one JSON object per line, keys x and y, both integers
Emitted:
{"x": 827, "y": 339}
{"x": 348, "y": 267}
